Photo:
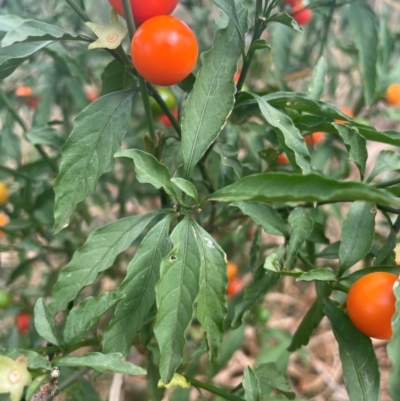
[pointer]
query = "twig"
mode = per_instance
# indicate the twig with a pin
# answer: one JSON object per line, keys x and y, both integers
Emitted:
{"x": 215, "y": 390}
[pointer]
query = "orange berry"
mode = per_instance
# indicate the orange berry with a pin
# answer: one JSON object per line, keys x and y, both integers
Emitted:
{"x": 23, "y": 322}
{"x": 33, "y": 102}
{"x": 301, "y": 14}
{"x": 232, "y": 269}
{"x": 3, "y": 221}
{"x": 235, "y": 285}
{"x": 347, "y": 111}
{"x": 314, "y": 138}
{"x": 393, "y": 94}
{"x": 3, "y": 193}
{"x": 371, "y": 304}
{"x": 91, "y": 93}
{"x": 23, "y": 91}
{"x": 165, "y": 120}
{"x": 282, "y": 159}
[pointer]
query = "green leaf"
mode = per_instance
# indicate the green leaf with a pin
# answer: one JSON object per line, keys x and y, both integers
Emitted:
{"x": 116, "y": 77}
{"x": 387, "y": 250}
{"x": 255, "y": 249}
{"x": 172, "y": 156}
{"x": 89, "y": 152}
{"x": 274, "y": 261}
{"x": 282, "y": 187}
{"x": 9, "y": 22}
{"x": 96, "y": 255}
{"x": 330, "y": 252}
{"x": 187, "y": 84}
{"x": 281, "y": 41}
{"x": 355, "y": 144}
{"x": 288, "y": 135}
{"x": 12, "y": 57}
{"x": 317, "y": 83}
{"x": 44, "y": 323}
{"x": 35, "y": 360}
{"x": 138, "y": 287}
{"x": 187, "y": 187}
{"x": 393, "y": 348}
{"x": 370, "y": 133}
{"x": 265, "y": 216}
{"x": 269, "y": 375}
{"x": 360, "y": 367}
{"x": 34, "y": 31}
{"x": 102, "y": 362}
{"x": 311, "y": 319}
{"x": 387, "y": 160}
{"x": 212, "y": 98}
{"x": 176, "y": 293}
{"x": 10, "y": 144}
{"x": 44, "y": 136}
{"x": 232, "y": 342}
{"x": 251, "y": 385}
{"x": 303, "y": 102}
{"x": 259, "y": 44}
{"x": 302, "y": 224}
{"x": 365, "y": 35}
{"x": 149, "y": 169}
{"x": 357, "y": 234}
{"x": 84, "y": 317}
{"x": 228, "y": 155}
{"x": 285, "y": 19}
{"x": 263, "y": 281}
{"x": 211, "y": 301}
{"x": 320, "y": 274}
{"x": 229, "y": 7}
{"x": 353, "y": 277}
{"x": 385, "y": 48}
{"x": 65, "y": 61}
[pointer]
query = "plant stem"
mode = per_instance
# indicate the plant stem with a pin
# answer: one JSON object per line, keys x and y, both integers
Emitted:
{"x": 17, "y": 173}
{"x": 147, "y": 109}
{"x": 46, "y": 350}
{"x": 55, "y": 348}
{"x": 25, "y": 128}
{"x": 85, "y": 343}
{"x": 78, "y": 10}
{"x": 212, "y": 389}
{"x": 387, "y": 184}
{"x": 388, "y": 209}
{"x": 338, "y": 286}
{"x": 306, "y": 261}
{"x": 256, "y": 35}
{"x": 73, "y": 377}
{"x": 165, "y": 109}
{"x": 142, "y": 83}
{"x": 327, "y": 26}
